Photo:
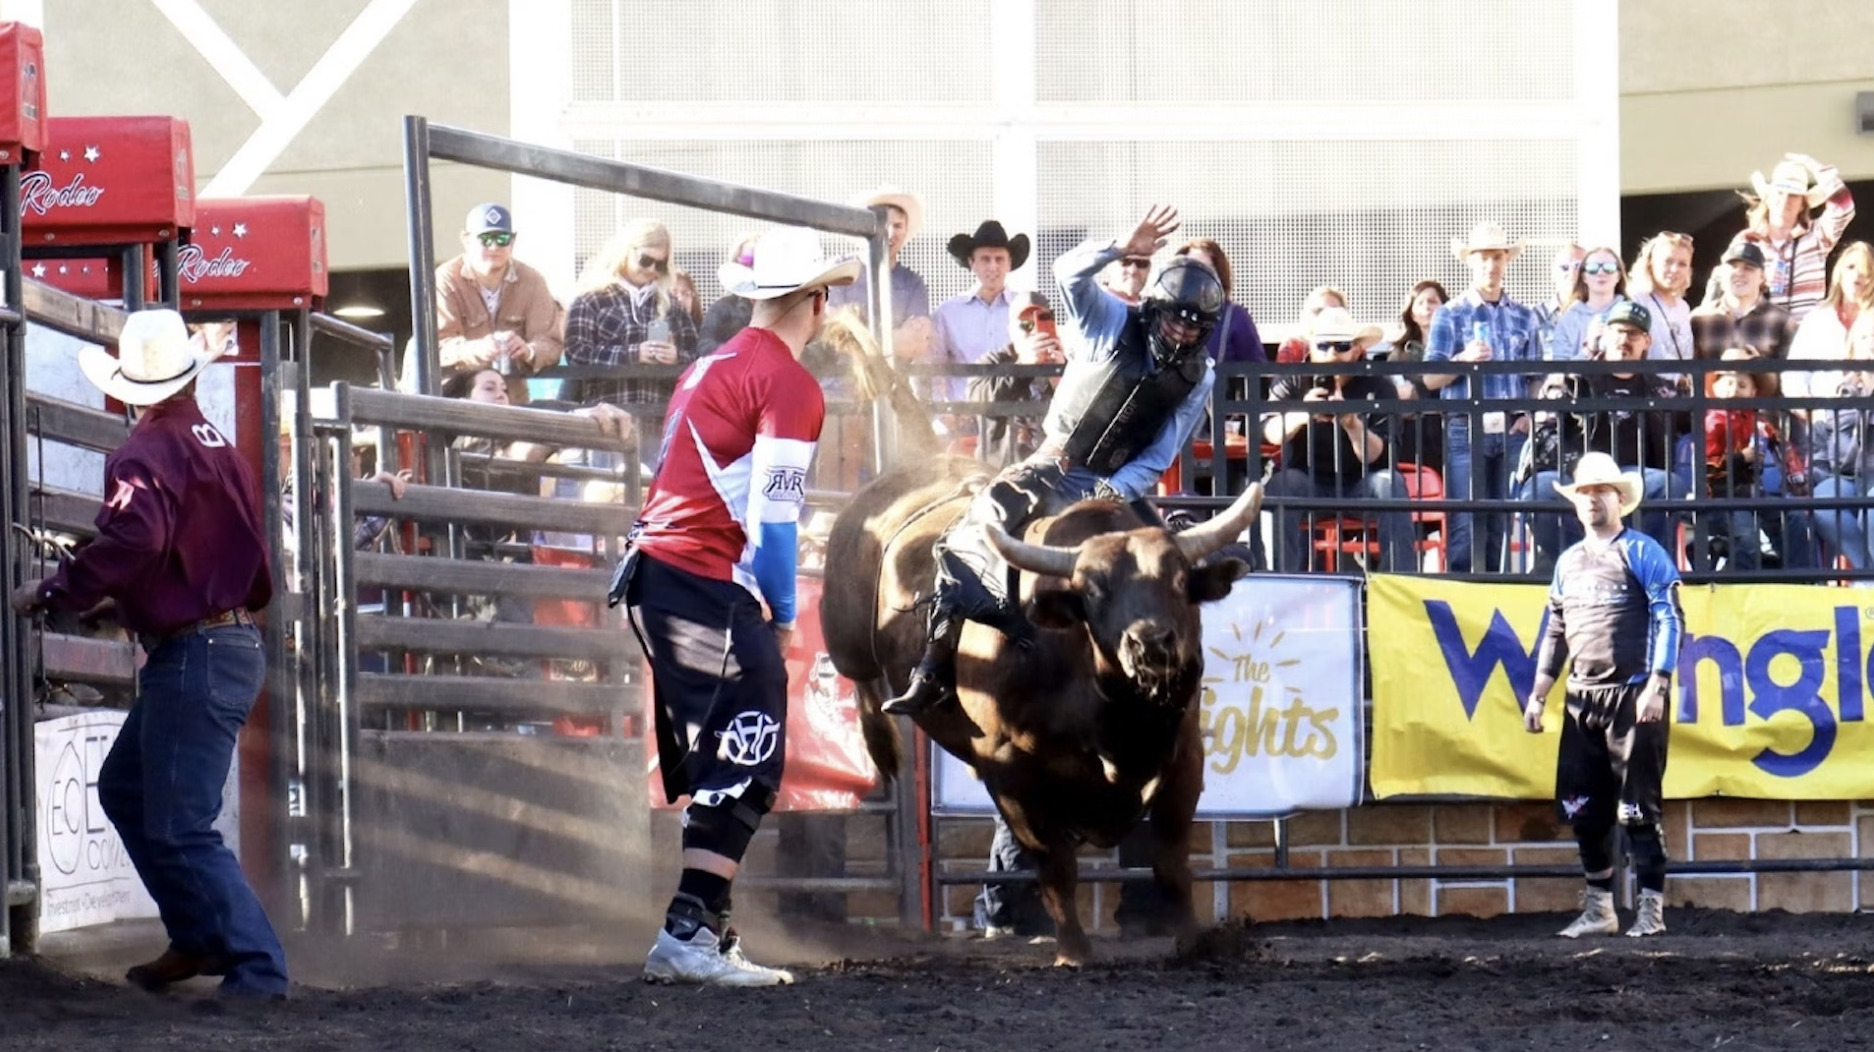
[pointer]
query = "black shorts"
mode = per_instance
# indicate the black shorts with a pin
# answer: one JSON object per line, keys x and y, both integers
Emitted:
{"x": 718, "y": 680}
{"x": 1612, "y": 768}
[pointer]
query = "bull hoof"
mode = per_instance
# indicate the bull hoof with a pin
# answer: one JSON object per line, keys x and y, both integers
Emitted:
{"x": 1063, "y": 959}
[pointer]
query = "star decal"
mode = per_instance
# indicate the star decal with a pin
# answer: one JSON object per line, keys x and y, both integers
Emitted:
{"x": 63, "y": 269}
{"x": 92, "y": 154}
{"x": 214, "y": 231}
{"x": 65, "y": 155}
{"x": 39, "y": 270}
{"x": 240, "y": 230}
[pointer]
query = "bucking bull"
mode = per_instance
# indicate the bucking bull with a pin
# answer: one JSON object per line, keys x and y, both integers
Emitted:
{"x": 1089, "y": 726}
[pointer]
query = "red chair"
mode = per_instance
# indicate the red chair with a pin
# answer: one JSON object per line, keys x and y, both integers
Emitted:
{"x": 1235, "y": 451}
{"x": 1351, "y": 535}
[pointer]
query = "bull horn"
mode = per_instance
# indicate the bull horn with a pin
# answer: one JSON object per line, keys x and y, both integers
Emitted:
{"x": 1035, "y": 558}
{"x": 1206, "y": 537}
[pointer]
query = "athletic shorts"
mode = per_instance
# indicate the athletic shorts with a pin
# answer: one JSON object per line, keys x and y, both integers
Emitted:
{"x": 1612, "y": 768}
{"x": 718, "y": 682}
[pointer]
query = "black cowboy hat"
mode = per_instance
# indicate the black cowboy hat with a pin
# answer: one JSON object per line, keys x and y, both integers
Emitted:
{"x": 990, "y": 235}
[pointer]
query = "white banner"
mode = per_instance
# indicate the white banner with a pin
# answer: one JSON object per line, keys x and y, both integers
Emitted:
{"x": 1282, "y": 722}
{"x": 87, "y": 877}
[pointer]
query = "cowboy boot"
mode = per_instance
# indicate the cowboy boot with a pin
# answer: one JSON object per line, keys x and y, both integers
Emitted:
{"x": 934, "y": 678}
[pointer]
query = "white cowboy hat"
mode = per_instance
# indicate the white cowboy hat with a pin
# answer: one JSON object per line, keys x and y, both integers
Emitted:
{"x": 1335, "y": 324}
{"x": 1486, "y": 236}
{"x": 787, "y": 259}
{"x": 155, "y": 359}
{"x": 904, "y": 201}
{"x": 1599, "y": 469}
{"x": 1791, "y": 177}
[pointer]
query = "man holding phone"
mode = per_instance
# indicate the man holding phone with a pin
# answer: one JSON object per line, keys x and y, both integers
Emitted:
{"x": 492, "y": 311}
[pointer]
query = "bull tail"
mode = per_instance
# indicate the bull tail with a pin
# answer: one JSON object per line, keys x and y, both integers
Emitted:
{"x": 882, "y": 741}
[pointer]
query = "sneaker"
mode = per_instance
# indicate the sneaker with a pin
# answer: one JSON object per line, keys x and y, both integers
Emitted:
{"x": 704, "y": 959}
{"x": 1597, "y": 916}
{"x": 1651, "y": 918}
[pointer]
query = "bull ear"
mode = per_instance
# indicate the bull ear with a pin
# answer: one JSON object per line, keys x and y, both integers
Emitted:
{"x": 1211, "y": 581}
{"x": 1057, "y": 608}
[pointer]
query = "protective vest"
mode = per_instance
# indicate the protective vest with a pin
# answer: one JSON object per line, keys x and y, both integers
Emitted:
{"x": 1112, "y": 410}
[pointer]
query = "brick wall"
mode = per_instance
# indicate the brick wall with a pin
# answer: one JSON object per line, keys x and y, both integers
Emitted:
{"x": 1417, "y": 835}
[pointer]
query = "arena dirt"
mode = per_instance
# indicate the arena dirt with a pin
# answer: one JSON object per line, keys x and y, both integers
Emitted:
{"x": 1718, "y": 981}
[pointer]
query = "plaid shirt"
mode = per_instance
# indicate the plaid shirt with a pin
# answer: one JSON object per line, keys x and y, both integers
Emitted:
{"x": 1767, "y": 327}
{"x": 605, "y": 328}
{"x": 1512, "y": 338}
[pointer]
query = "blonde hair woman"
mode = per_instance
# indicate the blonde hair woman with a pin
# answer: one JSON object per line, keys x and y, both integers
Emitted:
{"x": 1823, "y": 334}
{"x": 624, "y": 316}
{"x": 1662, "y": 272}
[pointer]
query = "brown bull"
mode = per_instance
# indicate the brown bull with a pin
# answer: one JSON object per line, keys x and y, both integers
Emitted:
{"x": 1088, "y": 729}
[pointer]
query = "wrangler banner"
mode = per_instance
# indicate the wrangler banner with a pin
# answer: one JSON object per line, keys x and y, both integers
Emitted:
{"x": 1768, "y": 700}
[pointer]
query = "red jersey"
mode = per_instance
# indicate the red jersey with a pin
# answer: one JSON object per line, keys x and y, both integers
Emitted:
{"x": 732, "y": 469}
{"x": 1728, "y": 431}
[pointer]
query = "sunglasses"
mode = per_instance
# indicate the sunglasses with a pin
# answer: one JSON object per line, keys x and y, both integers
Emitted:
{"x": 496, "y": 239}
{"x": 1568, "y": 268}
{"x": 646, "y": 261}
{"x": 1030, "y": 323}
{"x": 1136, "y": 263}
{"x": 1337, "y": 346}
{"x": 1600, "y": 268}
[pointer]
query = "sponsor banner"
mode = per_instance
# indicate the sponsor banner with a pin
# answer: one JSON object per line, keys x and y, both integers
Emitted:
{"x": 1281, "y": 718}
{"x": 87, "y": 877}
{"x": 1768, "y": 701}
{"x": 827, "y": 766}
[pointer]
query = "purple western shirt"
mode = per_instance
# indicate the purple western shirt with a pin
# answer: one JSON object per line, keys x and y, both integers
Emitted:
{"x": 179, "y": 536}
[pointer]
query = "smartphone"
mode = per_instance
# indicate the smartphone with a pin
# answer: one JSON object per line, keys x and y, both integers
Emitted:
{"x": 659, "y": 332}
{"x": 1047, "y": 326}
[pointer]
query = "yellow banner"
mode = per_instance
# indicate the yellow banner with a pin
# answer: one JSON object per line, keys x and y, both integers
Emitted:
{"x": 1769, "y": 700}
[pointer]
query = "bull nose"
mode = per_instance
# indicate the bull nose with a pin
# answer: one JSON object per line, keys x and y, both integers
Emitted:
{"x": 1145, "y": 642}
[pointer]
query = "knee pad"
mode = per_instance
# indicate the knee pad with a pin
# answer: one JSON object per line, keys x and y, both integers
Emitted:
{"x": 1647, "y": 845}
{"x": 723, "y": 821}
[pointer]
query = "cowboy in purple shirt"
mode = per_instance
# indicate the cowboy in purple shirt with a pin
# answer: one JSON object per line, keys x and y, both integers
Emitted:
{"x": 182, "y": 555}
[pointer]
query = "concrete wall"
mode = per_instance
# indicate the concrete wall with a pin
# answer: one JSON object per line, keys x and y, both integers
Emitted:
{"x": 445, "y": 59}
{"x": 1714, "y": 90}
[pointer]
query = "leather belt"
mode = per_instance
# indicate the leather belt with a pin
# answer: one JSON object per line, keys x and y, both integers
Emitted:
{"x": 224, "y": 619}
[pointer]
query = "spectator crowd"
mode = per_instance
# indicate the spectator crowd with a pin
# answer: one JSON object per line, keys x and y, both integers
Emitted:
{"x": 1442, "y": 418}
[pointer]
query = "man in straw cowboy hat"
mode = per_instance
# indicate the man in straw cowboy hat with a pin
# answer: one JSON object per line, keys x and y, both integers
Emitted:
{"x": 910, "y": 298}
{"x": 1338, "y": 452}
{"x": 1614, "y": 609}
{"x": 715, "y": 541}
{"x": 1483, "y": 325}
{"x": 182, "y": 553}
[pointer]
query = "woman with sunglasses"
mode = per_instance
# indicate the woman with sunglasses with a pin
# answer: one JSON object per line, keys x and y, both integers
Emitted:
{"x": 625, "y": 316}
{"x": 1601, "y": 285}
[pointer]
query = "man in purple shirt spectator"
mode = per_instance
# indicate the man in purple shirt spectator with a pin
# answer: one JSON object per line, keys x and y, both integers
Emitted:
{"x": 969, "y": 326}
{"x": 182, "y": 556}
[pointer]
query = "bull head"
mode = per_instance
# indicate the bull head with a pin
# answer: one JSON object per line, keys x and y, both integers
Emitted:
{"x": 1137, "y": 593}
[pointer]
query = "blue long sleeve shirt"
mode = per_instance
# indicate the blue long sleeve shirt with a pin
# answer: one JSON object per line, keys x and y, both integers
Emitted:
{"x": 1100, "y": 319}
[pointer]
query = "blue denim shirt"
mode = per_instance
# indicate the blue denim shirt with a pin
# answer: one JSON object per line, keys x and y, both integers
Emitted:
{"x": 1511, "y": 335}
{"x": 1100, "y": 318}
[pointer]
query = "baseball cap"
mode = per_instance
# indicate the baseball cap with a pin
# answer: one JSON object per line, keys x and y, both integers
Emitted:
{"x": 1631, "y": 313}
{"x": 487, "y": 218}
{"x": 1743, "y": 251}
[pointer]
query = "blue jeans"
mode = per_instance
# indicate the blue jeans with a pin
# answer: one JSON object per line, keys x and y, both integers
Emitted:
{"x": 1496, "y": 457}
{"x": 1016, "y": 906}
{"x": 1554, "y": 531}
{"x": 1843, "y": 531}
{"x": 1295, "y": 538}
{"x": 161, "y": 788}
